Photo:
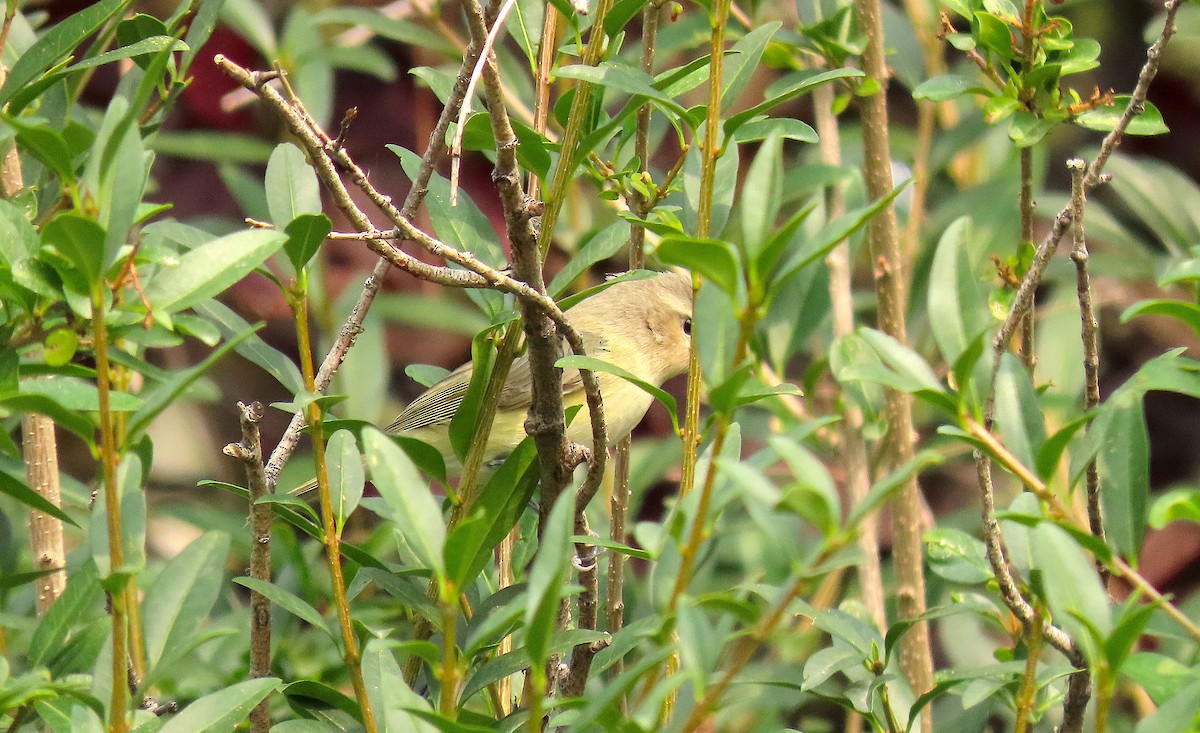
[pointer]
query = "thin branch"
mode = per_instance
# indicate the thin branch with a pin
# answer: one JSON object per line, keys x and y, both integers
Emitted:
{"x": 1078, "y": 689}
{"x": 1091, "y": 344}
{"x": 118, "y": 719}
{"x": 298, "y": 301}
{"x": 1094, "y": 176}
{"x": 353, "y": 324}
{"x": 485, "y": 59}
{"x": 40, "y": 451}
{"x": 249, "y": 451}
{"x": 1059, "y": 511}
{"x": 841, "y": 297}
{"x": 915, "y": 655}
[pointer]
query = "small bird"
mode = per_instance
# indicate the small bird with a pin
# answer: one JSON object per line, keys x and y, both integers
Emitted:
{"x": 642, "y": 326}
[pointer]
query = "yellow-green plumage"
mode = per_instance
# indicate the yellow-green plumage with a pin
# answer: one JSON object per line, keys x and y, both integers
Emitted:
{"x": 641, "y": 326}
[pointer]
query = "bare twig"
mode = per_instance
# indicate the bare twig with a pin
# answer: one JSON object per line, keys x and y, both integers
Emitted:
{"x": 915, "y": 656}
{"x": 353, "y": 325}
{"x": 1049, "y": 245}
{"x": 249, "y": 451}
{"x": 1088, "y": 335}
{"x": 1078, "y": 688}
{"x": 465, "y": 108}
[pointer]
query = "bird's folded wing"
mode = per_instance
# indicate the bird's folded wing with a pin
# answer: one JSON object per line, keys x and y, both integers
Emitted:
{"x": 518, "y": 388}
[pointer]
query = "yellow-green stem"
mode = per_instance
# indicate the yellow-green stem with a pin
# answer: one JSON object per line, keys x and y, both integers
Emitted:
{"x": 299, "y": 304}
{"x": 112, "y": 506}
{"x": 565, "y": 170}
{"x": 709, "y": 152}
{"x": 1106, "y": 689}
{"x": 449, "y": 698}
{"x": 1028, "y": 690}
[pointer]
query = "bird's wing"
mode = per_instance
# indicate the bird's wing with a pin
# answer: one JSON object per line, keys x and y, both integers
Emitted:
{"x": 435, "y": 405}
{"x": 518, "y": 388}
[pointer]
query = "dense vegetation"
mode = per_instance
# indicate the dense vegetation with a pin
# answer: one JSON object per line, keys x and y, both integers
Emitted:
{"x": 914, "y": 291}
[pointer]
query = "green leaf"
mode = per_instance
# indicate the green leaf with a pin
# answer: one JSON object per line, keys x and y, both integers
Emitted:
{"x": 82, "y": 600}
{"x": 547, "y": 577}
{"x": 318, "y": 698}
{"x": 604, "y": 244}
{"x": 1124, "y": 465}
{"x": 955, "y": 303}
{"x": 947, "y": 86}
{"x": 1027, "y": 128}
{"x": 994, "y": 35}
{"x": 1105, "y": 119}
{"x": 218, "y": 147}
{"x": 46, "y": 144}
{"x": 411, "y": 506}
{"x": 762, "y": 196}
{"x": 1019, "y": 419}
{"x": 1177, "y": 715}
{"x": 591, "y": 363}
{"x": 81, "y": 241}
{"x": 902, "y": 369}
{"x": 621, "y": 78}
{"x": 402, "y": 29}
{"x": 394, "y": 703}
{"x": 78, "y": 394}
{"x": 744, "y": 61}
{"x": 59, "y": 41}
{"x": 221, "y": 710}
{"x": 1070, "y": 584}
{"x": 787, "y": 128}
{"x": 715, "y": 259}
{"x": 136, "y": 51}
{"x": 305, "y": 235}
{"x": 791, "y": 92}
{"x": 79, "y": 424}
{"x": 1188, "y": 313}
{"x": 883, "y": 489}
{"x": 211, "y": 268}
{"x": 346, "y": 477}
{"x": 957, "y": 556}
{"x": 122, "y": 180}
{"x": 182, "y": 596}
{"x": 164, "y": 394}
{"x": 30, "y": 498}
{"x": 59, "y": 347}
{"x": 833, "y": 233}
{"x": 527, "y": 30}
{"x": 1161, "y": 676}
{"x": 501, "y": 502}
{"x": 252, "y": 347}
{"x": 132, "y": 498}
{"x": 1173, "y": 506}
{"x": 18, "y": 238}
{"x": 292, "y": 187}
{"x": 288, "y": 601}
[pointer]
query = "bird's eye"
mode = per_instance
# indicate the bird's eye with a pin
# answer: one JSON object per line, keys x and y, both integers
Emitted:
{"x": 687, "y": 326}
